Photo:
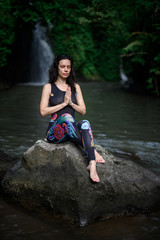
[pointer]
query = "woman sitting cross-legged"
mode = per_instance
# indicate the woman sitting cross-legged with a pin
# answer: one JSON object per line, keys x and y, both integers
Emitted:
{"x": 61, "y": 97}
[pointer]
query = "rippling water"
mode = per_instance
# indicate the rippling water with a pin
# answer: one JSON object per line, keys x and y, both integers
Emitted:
{"x": 122, "y": 123}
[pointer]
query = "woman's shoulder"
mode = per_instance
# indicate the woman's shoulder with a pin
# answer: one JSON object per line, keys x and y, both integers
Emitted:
{"x": 47, "y": 86}
{"x": 77, "y": 87}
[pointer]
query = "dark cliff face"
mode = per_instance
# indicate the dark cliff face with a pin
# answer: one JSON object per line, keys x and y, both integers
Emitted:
{"x": 54, "y": 176}
{"x": 17, "y": 67}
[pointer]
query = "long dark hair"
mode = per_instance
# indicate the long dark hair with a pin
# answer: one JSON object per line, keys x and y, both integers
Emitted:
{"x": 53, "y": 71}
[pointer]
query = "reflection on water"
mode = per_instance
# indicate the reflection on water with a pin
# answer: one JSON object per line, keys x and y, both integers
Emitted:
{"x": 121, "y": 122}
{"x": 19, "y": 224}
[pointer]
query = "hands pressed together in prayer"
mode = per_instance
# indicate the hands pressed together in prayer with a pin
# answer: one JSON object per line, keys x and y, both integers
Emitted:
{"x": 67, "y": 97}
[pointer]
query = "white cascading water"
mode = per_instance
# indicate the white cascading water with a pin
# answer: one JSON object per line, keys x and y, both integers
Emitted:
{"x": 123, "y": 76}
{"x": 126, "y": 82}
{"x": 41, "y": 57}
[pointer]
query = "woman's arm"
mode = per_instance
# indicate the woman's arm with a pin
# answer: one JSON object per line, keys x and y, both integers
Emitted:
{"x": 44, "y": 109}
{"x": 80, "y": 106}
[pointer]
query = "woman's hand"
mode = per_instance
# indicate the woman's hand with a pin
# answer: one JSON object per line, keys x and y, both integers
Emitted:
{"x": 67, "y": 97}
{"x": 80, "y": 106}
{"x": 70, "y": 100}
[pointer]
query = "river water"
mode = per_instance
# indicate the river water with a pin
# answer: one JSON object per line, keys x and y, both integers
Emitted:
{"x": 123, "y": 123}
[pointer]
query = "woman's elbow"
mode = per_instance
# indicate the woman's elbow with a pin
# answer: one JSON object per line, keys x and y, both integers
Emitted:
{"x": 42, "y": 112}
{"x": 83, "y": 112}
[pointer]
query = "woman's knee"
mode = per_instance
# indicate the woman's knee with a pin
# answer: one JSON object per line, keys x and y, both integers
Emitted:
{"x": 67, "y": 117}
{"x": 84, "y": 124}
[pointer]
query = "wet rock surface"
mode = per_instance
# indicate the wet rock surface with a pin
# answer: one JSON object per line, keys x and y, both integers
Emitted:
{"x": 54, "y": 176}
{"x": 6, "y": 162}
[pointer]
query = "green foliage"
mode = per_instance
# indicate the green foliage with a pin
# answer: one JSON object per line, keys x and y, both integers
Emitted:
{"x": 6, "y": 31}
{"x": 96, "y": 33}
{"x": 143, "y": 43}
{"x": 74, "y": 36}
{"x": 154, "y": 80}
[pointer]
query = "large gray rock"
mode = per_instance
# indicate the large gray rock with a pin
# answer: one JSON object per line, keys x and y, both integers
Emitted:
{"x": 55, "y": 176}
{"x": 6, "y": 162}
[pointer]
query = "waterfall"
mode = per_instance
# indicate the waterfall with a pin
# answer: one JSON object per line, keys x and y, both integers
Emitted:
{"x": 126, "y": 82}
{"x": 41, "y": 57}
{"x": 124, "y": 77}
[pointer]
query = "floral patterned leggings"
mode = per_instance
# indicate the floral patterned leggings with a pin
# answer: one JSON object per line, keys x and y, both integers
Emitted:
{"x": 65, "y": 128}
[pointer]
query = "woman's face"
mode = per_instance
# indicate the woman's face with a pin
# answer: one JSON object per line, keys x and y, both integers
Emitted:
{"x": 64, "y": 68}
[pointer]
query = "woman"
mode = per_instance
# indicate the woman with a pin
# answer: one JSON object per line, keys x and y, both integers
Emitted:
{"x": 64, "y": 97}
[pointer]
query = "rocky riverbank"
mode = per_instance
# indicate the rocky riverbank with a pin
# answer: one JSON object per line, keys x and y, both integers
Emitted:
{"x": 54, "y": 176}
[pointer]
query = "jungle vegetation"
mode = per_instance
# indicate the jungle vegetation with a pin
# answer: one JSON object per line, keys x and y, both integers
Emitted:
{"x": 98, "y": 34}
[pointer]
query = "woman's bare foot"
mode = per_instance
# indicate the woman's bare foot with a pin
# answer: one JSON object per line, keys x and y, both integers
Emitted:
{"x": 93, "y": 172}
{"x": 98, "y": 157}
